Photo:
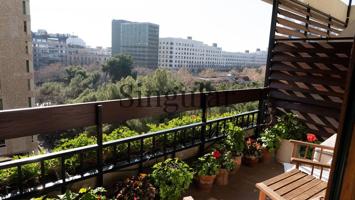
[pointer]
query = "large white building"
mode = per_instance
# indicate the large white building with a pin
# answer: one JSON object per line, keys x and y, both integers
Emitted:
{"x": 177, "y": 52}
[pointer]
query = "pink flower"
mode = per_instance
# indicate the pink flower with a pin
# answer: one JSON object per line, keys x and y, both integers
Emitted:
{"x": 311, "y": 137}
{"x": 216, "y": 154}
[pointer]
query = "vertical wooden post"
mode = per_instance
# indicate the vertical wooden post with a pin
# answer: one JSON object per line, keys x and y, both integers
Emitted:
{"x": 329, "y": 26}
{"x": 262, "y": 104}
{"x": 204, "y": 120}
{"x": 345, "y": 135}
{"x": 307, "y": 18}
{"x": 99, "y": 177}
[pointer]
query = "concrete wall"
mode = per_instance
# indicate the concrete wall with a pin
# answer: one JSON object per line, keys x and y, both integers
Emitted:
{"x": 335, "y": 8}
{"x": 16, "y": 83}
{"x": 352, "y": 13}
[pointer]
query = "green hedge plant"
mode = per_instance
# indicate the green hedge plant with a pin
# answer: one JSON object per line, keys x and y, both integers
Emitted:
{"x": 234, "y": 141}
{"x": 172, "y": 177}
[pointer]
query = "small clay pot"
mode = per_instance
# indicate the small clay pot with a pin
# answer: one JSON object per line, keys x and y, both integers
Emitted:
{"x": 250, "y": 161}
{"x": 267, "y": 156}
{"x": 222, "y": 177}
{"x": 238, "y": 162}
{"x": 206, "y": 182}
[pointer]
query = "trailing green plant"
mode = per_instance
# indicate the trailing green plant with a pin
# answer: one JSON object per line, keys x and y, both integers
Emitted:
{"x": 208, "y": 164}
{"x": 83, "y": 194}
{"x": 172, "y": 177}
{"x": 30, "y": 173}
{"x": 81, "y": 140}
{"x": 136, "y": 188}
{"x": 72, "y": 163}
{"x": 234, "y": 141}
{"x": 226, "y": 161}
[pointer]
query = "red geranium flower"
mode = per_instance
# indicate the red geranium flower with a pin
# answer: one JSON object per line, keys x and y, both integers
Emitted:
{"x": 216, "y": 154}
{"x": 311, "y": 137}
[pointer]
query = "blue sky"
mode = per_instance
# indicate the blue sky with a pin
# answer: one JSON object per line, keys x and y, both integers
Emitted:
{"x": 236, "y": 25}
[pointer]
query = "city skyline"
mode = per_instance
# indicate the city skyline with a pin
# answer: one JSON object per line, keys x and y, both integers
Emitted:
{"x": 241, "y": 26}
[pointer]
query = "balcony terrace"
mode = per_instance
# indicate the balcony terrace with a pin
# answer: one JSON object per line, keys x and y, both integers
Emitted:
{"x": 310, "y": 72}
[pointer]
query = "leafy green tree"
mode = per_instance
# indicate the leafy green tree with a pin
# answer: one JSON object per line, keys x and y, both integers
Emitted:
{"x": 118, "y": 67}
{"x": 74, "y": 71}
{"x": 162, "y": 82}
{"x": 51, "y": 92}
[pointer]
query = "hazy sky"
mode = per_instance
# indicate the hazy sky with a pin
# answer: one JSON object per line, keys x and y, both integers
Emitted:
{"x": 236, "y": 25}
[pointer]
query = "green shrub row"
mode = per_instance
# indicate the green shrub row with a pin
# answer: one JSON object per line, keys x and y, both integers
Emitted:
{"x": 31, "y": 172}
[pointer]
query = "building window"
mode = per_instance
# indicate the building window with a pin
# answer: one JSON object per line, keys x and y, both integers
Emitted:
{"x": 2, "y": 143}
{"x": 25, "y": 26}
{"x": 29, "y": 84}
{"x": 29, "y": 102}
{"x": 24, "y": 7}
{"x": 28, "y": 66}
{"x": 26, "y": 48}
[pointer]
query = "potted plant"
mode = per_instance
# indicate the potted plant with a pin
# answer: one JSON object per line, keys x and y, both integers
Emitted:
{"x": 251, "y": 153}
{"x": 234, "y": 143}
{"x": 287, "y": 127}
{"x": 270, "y": 142}
{"x": 227, "y": 165}
{"x": 207, "y": 169}
{"x": 172, "y": 177}
{"x": 136, "y": 188}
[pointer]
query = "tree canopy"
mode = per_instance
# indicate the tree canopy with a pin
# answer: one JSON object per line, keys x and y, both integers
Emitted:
{"x": 118, "y": 67}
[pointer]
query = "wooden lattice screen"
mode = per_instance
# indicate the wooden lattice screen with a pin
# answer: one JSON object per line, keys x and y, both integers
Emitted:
{"x": 306, "y": 69}
{"x": 297, "y": 20}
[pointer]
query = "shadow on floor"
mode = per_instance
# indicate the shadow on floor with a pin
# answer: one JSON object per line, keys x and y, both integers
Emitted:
{"x": 241, "y": 185}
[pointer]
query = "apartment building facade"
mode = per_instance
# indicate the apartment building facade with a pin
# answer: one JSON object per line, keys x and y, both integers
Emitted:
{"x": 139, "y": 40}
{"x": 16, "y": 68}
{"x": 177, "y": 53}
{"x": 65, "y": 49}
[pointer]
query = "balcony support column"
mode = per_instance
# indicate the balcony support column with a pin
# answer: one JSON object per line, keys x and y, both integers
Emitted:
{"x": 99, "y": 177}
{"x": 263, "y": 103}
{"x": 348, "y": 13}
{"x": 204, "y": 121}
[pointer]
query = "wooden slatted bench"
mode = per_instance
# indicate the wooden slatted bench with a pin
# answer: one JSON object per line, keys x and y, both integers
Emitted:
{"x": 294, "y": 185}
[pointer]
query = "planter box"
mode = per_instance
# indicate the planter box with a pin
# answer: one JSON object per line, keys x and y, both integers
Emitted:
{"x": 268, "y": 157}
{"x": 206, "y": 182}
{"x": 284, "y": 153}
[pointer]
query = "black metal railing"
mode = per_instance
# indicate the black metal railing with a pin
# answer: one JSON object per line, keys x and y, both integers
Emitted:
{"x": 136, "y": 151}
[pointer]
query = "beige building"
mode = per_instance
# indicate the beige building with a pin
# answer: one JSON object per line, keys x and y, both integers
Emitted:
{"x": 16, "y": 68}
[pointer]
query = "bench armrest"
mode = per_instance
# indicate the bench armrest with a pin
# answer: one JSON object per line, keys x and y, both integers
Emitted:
{"x": 299, "y": 161}
{"x": 297, "y": 142}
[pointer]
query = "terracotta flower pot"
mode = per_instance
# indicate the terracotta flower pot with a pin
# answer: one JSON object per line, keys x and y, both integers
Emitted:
{"x": 267, "y": 156}
{"x": 238, "y": 163}
{"x": 206, "y": 182}
{"x": 250, "y": 161}
{"x": 222, "y": 177}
